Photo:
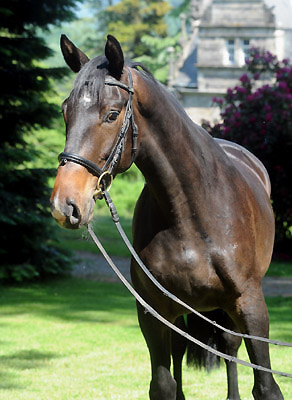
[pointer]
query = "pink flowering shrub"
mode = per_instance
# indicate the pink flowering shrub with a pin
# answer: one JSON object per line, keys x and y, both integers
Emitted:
{"x": 259, "y": 117}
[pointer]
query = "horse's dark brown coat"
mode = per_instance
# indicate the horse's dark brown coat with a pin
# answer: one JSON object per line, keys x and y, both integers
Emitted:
{"x": 203, "y": 224}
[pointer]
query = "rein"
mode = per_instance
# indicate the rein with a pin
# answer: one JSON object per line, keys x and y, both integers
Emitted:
{"x": 117, "y": 150}
{"x": 153, "y": 312}
{"x": 116, "y": 220}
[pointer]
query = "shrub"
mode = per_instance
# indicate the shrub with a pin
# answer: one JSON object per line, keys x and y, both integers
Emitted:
{"x": 257, "y": 113}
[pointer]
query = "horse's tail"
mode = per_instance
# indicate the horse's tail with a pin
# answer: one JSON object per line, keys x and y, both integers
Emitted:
{"x": 210, "y": 335}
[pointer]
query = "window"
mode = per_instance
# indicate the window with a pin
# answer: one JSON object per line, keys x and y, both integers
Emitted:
{"x": 237, "y": 51}
{"x": 245, "y": 47}
{"x": 230, "y": 47}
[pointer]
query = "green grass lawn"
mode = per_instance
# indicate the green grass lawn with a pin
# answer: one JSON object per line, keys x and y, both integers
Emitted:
{"x": 78, "y": 339}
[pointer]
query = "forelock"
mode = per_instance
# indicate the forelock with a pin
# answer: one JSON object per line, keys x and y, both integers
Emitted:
{"x": 89, "y": 81}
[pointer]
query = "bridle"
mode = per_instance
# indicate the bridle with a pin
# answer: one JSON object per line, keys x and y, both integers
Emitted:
{"x": 105, "y": 174}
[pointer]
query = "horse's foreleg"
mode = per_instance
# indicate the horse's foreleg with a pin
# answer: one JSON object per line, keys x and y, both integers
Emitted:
{"x": 158, "y": 339}
{"x": 251, "y": 316}
{"x": 178, "y": 346}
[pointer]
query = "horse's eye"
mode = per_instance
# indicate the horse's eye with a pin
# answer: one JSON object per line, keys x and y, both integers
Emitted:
{"x": 112, "y": 116}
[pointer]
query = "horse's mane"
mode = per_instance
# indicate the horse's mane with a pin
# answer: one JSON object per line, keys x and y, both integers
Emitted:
{"x": 137, "y": 65}
{"x": 92, "y": 75}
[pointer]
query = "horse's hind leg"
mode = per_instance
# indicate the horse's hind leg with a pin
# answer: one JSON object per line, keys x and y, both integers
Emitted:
{"x": 218, "y": 339}
{"x": 226, "y": 343}
{"x": 229, "y": 344}
{"x": 178, "y": 347}
{"x": 158, "y": 339}
{"x": 251, "y": 316}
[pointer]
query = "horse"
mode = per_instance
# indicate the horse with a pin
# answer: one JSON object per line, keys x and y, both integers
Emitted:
{"x": 203, "y": 224}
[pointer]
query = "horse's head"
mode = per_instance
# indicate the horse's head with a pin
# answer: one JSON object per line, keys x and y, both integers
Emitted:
{"x": 101, "y": 133}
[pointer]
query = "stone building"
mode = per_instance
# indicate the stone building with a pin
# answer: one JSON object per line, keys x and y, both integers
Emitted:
{"x": 219, "y": 40}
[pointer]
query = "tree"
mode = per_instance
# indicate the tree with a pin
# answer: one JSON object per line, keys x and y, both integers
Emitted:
{"x": 129, "y": 21}
{"x": 25, "y": 106}
{"x": 146, "y": 30}
{"x": 159, "y": 53}
{"x": 258, "y": 116}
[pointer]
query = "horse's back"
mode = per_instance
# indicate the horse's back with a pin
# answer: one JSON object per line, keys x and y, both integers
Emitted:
{"x": 246, "y": 159}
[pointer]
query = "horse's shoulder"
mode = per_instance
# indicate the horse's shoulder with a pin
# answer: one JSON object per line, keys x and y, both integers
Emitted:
{"x": 245, "y": 158}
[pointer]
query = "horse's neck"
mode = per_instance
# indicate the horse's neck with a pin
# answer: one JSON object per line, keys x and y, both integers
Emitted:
{"x": 175, "y": 160}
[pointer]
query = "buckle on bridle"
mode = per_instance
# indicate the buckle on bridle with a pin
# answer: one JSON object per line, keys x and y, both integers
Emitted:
{"x": 104, "y": 183}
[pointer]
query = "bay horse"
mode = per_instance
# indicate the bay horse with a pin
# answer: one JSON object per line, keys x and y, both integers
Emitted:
{"x": 203, "y": 223}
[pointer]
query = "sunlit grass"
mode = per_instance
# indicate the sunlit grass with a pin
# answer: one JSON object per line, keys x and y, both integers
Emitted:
{"x": 78, "y": 339}
{"x": 64, "y": 341}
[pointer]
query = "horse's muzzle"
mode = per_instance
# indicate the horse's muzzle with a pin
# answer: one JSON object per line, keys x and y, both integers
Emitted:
{"x": 67, "y": 215}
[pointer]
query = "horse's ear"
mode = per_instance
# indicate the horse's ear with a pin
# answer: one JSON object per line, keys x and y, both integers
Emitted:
{"x": 115, "y": 57}
{"x": 74, "y": 57}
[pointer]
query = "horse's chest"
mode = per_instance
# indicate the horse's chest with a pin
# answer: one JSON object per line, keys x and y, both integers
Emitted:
{"x": 180, "y": 262}
{"x": 183, "y": 268}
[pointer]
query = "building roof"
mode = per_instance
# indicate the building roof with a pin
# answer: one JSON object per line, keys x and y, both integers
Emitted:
{"x": 282, "y": 9}
{"x": 186, "y": 76}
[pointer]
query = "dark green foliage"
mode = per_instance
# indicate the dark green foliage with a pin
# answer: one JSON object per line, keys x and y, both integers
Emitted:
{"x": 258, "y": 116}
{"x": 26, "y": 227}
{"x": 24, "y": 16}
{"x": 26, "y": 88}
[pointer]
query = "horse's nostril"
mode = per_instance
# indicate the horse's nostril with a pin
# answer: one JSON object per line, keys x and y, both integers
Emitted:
{"x": 74, "y": 215}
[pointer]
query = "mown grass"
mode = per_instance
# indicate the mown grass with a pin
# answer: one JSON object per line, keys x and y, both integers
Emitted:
{"x": 78, "y": 339}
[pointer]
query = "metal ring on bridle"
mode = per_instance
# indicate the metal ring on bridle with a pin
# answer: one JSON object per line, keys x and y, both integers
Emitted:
{"x": 102, "y": 186}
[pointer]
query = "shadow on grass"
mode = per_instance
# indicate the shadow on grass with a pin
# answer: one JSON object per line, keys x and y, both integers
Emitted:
{"x": 69, "y": 299}
{"x": 281, "y": 317}
{"x": 21, "y": 361}
{"x": 9, "y": 381}
{"x": 81, "y": 300}
{"x": 28, "y": 359}
{"x": 282, "y": 269}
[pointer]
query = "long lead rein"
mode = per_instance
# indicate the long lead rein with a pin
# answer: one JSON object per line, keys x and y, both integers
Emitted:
{"x": 115, "y": 218}
{"x": 169, "y": 324}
